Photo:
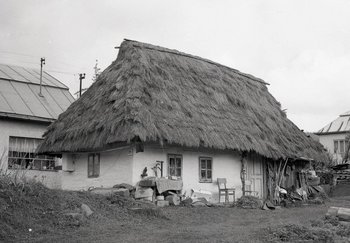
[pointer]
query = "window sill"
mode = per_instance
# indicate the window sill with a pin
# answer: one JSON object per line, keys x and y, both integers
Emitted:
{"x": 207, "y": 181}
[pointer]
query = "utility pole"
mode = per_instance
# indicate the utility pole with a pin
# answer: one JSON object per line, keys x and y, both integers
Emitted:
{"x": 81, "y": 77}
{"x": 42, "y": 63}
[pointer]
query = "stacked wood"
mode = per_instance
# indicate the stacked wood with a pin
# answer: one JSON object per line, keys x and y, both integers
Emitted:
{"x": 343, "y": 214}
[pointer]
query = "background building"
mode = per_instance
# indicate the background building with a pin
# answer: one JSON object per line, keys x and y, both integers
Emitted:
{"x": 25, "y": 115}
{"x": 332, "y": 136}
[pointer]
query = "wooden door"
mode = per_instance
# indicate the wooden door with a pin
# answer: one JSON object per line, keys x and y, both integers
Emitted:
{"x": 255, "y": 174}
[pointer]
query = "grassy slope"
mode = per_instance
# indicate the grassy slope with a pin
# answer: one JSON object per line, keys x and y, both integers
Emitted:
{"x": 199, "y": 225}
{"x": 33, "y": 206}
{"x": 26, "y": 206}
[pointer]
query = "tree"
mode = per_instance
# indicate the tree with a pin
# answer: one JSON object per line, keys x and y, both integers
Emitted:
{"x": 97, "y": 71}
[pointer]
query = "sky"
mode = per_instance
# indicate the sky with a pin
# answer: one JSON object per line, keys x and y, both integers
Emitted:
{"x": 300, "y": 47}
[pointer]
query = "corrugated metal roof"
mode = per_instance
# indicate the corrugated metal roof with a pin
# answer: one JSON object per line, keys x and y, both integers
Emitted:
{"x": 28, "y": 75}
{"x": 341, "y": 124}
{"x": 19, "y": 94}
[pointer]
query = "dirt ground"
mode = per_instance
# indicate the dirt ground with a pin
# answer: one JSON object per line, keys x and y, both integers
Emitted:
{"x": 186, "y": 224}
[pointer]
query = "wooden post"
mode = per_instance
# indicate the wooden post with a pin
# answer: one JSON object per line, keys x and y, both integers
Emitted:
{"x": 243, "y": 171}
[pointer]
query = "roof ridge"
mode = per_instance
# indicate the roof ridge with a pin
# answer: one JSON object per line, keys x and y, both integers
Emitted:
{"x": 345, "y": 114}
{"x": 179, "y": 53}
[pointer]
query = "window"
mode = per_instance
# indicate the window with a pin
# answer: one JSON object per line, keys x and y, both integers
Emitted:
{"x": 336, "y": 146}
{"x": 22, "y": 155}
{"x": 340, "y": 147}
{"x": 93, "y": 165}
{"x": 175, "y": 165}
{"x": 205, "y": 169}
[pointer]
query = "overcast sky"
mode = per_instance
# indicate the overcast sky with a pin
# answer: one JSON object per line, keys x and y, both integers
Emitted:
{"x": 302, "y": 48}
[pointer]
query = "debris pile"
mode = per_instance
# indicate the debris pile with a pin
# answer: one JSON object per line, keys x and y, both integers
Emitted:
{"x": 342, "y": 214}
{"x": 294, "y": 183}
{"x": 341, "y": 180}
{"x": 249, "y": 202}
{"x": 162, "y": 191}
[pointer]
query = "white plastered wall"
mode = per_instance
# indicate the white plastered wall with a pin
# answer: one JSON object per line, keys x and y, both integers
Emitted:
{"x": 19, "y": 128}
{"x": 126, "y": 166}
{"x": 225, "y": 165}
{"x": 115, "y": 168}
{"x": 328, "y": 142}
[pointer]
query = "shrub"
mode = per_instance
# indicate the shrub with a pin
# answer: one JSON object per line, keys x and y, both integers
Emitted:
{"x": 249, "y": 202}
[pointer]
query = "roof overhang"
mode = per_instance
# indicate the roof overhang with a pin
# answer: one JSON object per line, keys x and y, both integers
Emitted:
{"x": 25, "y": 117}
{"x": 330, "y": 133}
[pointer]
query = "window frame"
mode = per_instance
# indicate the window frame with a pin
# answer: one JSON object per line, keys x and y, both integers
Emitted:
{"x": 339, "y": 146}
{"x": 175, "y": 156}
{"x": 335, "y": 146}
{"x": 29, "y": 160}
{"x": 201, "y": 179}
{"x": 96, "y": 163}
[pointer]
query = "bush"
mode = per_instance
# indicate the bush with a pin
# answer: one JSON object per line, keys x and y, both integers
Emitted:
{"x": 326, "y": 177}
{"x": 249, "y": 202}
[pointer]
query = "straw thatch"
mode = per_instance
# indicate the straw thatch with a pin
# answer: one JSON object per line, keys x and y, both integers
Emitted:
{"x": 154, "y": 94}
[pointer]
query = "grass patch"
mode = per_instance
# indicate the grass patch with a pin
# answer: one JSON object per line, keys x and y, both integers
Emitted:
{"x": 325, "y": 230}
{"x": 29, "y": 209}
{"x": 150, "y": 212}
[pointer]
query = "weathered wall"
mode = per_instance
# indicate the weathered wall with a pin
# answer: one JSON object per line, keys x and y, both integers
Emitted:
{"x": 328, "y": 142}
{"x": 51, "y": 179}
{"x": 28, "y": 129}
{"x": 126, "y": 166}
{"x": 225, "y": 165}
{"x": 115, "y": 167}
{"x": 19, "y": 129}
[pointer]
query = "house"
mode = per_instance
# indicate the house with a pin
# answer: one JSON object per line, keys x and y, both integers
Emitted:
{"x": 25, "y": 115}
{"x": 332, "y": 136}
{"x": 197, "y": 119}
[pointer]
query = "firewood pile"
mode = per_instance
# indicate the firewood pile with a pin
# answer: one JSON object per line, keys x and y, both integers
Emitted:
{"x": 341, "y": 174}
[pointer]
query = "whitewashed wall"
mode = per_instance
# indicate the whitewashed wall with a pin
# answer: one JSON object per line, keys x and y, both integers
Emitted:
{"x": 126, "y": 166}
{"x": 18, "y": 129}
{"x": 115, "y": 167}
{"x": 225, "y": 165}
{"x": 328, "y": 142}
{"x": 28, "y": 129}
{"x": 51, "y": 179}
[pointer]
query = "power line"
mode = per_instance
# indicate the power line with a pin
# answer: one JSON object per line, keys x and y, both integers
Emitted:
{"x": 55, "y": 71}
{"x": 52, "y": 71}
{"x": 26, "y": 55}
{"x": 19, "y": 54}
{"x": 36, "y": 63}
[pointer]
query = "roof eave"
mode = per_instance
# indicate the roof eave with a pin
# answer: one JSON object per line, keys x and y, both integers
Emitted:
{"x": 330, "y": 133}
{"x": 26, "y": 117}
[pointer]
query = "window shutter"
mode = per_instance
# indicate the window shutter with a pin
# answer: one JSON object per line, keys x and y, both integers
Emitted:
{"x": 90, "y": 165}
{"x": 97, "y": 165}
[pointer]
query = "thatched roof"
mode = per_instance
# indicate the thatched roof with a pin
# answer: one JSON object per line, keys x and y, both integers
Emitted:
{"x": 154, "y": 94}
